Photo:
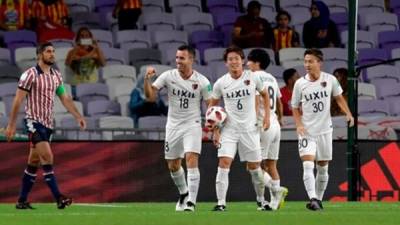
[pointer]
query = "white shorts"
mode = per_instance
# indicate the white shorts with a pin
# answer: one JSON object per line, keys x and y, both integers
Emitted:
{"x": 319, "y": 146}
{"x": 178, "y": 142}
{"x": 270, "y": 140}
{"x": 248, "y": 144}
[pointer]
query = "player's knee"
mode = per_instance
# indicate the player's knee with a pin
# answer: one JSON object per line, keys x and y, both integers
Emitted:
{"x": 224, "y": 162}
{"x": 323, "y": 170}
{"x": 252, "y": 165}
{"x": 192, "y": 160}
{"x": 174, "y": 165}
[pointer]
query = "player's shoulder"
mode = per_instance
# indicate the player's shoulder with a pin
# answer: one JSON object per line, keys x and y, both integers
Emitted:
{"x": 199, "y": 76}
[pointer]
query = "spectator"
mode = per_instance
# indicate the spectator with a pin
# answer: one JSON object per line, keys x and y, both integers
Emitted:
{"x": 50, "y": 19}
{"x": 14, "y": 15}
{"x": 284, "y": 35}
{"x": 251, "y": 30}
{"x": 290, "y": 76}
{"x": 139, "y": 107}
{"x": 127, "y": 12}
{"x": 341, "y": 75}
{"x": 84, "y": 59}
{"x": 320, "y": 31}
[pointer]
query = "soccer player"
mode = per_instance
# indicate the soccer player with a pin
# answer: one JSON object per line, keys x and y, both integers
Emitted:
{"x": 238, "y": 89}
{"x": 186, "y": 87}
{"x": 311, "y": 103}
{"x": 257, "y": 61}
{"x": 38, "y": 85}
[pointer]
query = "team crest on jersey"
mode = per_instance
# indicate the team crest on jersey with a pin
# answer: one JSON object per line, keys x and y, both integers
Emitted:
{"x": 323, "y": 84}
{"x": 247, "y": 82}
{"x": 195, "y": 86}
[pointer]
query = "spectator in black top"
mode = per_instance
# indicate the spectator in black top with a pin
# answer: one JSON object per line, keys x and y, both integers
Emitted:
{"x": 320, "y": 31}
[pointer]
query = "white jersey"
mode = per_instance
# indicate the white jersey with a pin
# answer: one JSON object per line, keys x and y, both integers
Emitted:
{"x": 274, "y": 92}
{"x": 314, "y": 98}
{"x": 184, "y": 97}
{"x": 239, "y": 99}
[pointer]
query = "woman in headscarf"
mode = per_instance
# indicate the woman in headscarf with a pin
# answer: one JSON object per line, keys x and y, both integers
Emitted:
{"x": 320, "y": 31}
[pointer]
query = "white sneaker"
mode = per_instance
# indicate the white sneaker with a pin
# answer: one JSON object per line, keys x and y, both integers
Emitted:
{"x": 180, "y": 205}
{"x": 279, "y": 198}
{"x": 189, "y": 206}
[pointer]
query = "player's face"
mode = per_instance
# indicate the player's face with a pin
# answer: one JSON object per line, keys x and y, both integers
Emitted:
{"x": 48, "y": 56}
{"x": 184, "y": 60}
{"x": 234, "y": 62}
{"x": 253, "y": 66}
{"x": 312, "y": 64}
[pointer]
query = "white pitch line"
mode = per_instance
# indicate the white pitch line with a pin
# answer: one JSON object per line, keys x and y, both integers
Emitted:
{"x": 101, "y": 205}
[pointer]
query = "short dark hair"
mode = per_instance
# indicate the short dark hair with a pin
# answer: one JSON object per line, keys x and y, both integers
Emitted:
{"x": 188, "y": 48}
{"x": 41, "y": 47}
{"x": 253, "y": 5}
{"x": 282, "y": 12}
{"x": 233, "y": 49}
{"x": 287, "y": 74}
{"x": 315, "y": 52}
{"x": 260, "y": 56}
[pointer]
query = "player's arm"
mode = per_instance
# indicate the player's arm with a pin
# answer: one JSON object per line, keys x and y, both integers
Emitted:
{"x": 20, "y": 95}
{"x": 267, "y": 108}
{"x": 343, "y": 106}
{"x": 150, "y": 91}
{"x": 67, "y": 102}
{"x": 296, "y": 96}
{"x": 257, "y": 104}
{"x": 279, "y": 110}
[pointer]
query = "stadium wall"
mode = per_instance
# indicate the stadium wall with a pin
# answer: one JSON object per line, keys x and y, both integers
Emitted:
{"x": 136, "y": 172}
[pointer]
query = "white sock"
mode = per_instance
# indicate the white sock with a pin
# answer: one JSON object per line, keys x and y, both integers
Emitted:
{"x": 267, "y": 180}
{"x": 275, "y": 185}
{"x": 258, "y": 182}
{"x": 309, "y": 179}
{"x": 179, "y": 179}
{"x": 321, "y": 181}
{"x": 193, "y": 180}
{"x": 221, "y": 185}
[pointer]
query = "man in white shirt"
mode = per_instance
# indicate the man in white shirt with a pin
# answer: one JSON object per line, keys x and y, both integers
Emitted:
{"x": 257, "y": 61}
{"x": 186, "y": 88}
{"x": 311, "y": 102}
{"x": 238, "y": 89}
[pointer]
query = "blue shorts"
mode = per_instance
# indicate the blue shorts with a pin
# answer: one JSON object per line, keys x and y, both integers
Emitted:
{"x": 37, "y": 132}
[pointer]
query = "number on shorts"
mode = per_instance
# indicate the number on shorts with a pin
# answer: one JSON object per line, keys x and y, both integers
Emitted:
{"x": 303, "y": 143}
{"x": 166, "y": 147}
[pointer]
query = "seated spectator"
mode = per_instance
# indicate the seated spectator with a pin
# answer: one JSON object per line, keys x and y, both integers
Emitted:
{"x": 284, "y": 35}
{"x": 84, "y": 59}
{"x": 290, "y": 76}
{"x": 140, "y": 107}
{"x": 14, "y": 15}
{"x": 320, "y": 31}
{"x": 251, "y": 30}
{"x": 50, "y": 19}
{"x": 341, "y": 75}
{"x": 127, "y": 12}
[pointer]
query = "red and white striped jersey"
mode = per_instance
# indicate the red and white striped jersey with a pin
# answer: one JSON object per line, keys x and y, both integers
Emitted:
{"x": 42, "y": 88}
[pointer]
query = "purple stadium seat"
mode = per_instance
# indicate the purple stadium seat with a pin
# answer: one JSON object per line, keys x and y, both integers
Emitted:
{"x": 341, "y": 20}
{"x": 388, "y": 91}
{"x": 394, "y": 106}
{"x": 99, "y": 108}
{"x": 194, "y": 21}
{"x": 205, "y": 39}
{"x": 181, "y": 6}
{"x": 380, "y": 72}
{"x": 152, "y": 122}
{"x": 9, "y": 73}
{"x": 129, "y": 39}
{"x": 92, "y": 20}
{"x": 114, "y": 56}
{"x": 389, "y": 39}
{"x": 104, "y": 6}
{"x": 276, "y": 71}
{"x": 79, "y": 5}
{"x": 217, "y": 6}
{"x": 225, "y": 21}
{"x": 5, "y": 56}
{"x": 371, "y": 55}
{"x": 156, "y": 21}
{"x": 18, "y": 39}
{"x": 373, "y": 108}
{"x": 91, "y": 124}
{"x": 104, "y": 38}
{"x": 144, "y": 56}
{"x": 90, "y": 92}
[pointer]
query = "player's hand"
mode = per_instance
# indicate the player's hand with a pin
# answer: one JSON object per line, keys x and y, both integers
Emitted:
{"x": 266, "y": 123}
{"x": 150, "y": 72}
{"x": 82, "y": 123}
{"x": 301, "y": 131}
{"x": 10, "y": 132}
{"x": 350, "y": 120}
{"x": 216, "y": 137}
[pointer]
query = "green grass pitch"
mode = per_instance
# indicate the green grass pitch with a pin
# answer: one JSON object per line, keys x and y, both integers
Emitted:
{"x": 241, "y": 213}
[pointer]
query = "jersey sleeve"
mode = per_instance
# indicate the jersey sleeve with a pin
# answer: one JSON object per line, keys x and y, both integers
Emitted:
{"x": 217, "y": 92}
{"x": 206, "y": 90}
{"x": 26, "y": 80}
{"x": 296, "y": 96}
{"x": 161, "y": 81}
{"x": 336, "y": 88}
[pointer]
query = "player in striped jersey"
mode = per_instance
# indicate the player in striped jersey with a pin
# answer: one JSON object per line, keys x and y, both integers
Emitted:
{"x": 257, "y": 61}
{"x": 38, "y": 85}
